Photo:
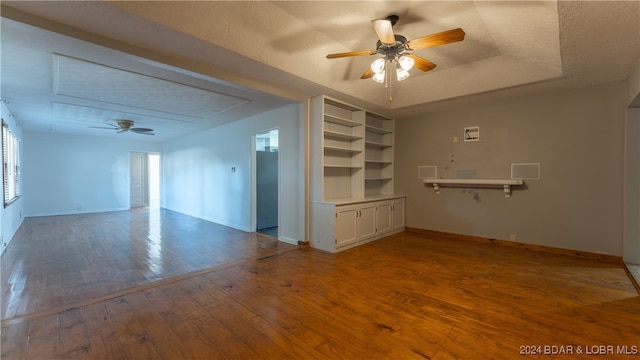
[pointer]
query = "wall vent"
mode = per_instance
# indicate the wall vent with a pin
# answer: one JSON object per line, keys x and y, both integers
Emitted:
{"x": 427, "y": 172}
{"x": 525, "y": 171}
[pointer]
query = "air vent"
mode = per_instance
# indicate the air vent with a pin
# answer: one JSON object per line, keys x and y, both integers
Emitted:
{"x": 526, "y": 171}
{"x": 427, "y": 172}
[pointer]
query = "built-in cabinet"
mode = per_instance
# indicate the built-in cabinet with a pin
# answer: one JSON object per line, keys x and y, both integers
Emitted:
{"x": 351, "y": 168}
{"x": 337, "y": 227}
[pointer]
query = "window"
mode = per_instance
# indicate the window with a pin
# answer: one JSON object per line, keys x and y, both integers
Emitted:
{"x": 11, "y": 165}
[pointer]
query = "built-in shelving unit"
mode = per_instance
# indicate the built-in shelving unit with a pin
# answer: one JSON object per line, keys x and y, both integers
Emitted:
{"x": 378, "y": 154}
{"x": 337, "y": 149}
{"x": 351, "y": 172}
{"x": 355, "y": 149}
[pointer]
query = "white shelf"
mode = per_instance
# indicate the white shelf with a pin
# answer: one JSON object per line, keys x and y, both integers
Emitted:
{"x": 505, "y": 184}
{"x": 339, "y": 149}
{"x": 342, "y": 166}
{"x": 378, "y": 162}
{"x": 378, "y": 130}
{"x": 340, "y": 121}
{"x": 339, "y": 135}
{"x": 377, "y": 144}
{"x": 378, "y": 178}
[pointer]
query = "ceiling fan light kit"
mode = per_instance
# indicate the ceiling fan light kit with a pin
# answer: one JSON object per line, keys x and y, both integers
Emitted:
{"x": 396, "y": 49}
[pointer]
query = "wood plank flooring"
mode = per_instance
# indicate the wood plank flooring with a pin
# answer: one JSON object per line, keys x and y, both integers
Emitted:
{"x": 57, "y": 261}
{"x": 403, "y": 297}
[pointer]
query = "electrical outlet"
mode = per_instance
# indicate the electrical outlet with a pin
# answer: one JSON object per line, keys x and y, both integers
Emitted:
{"x": 513, "y": 237}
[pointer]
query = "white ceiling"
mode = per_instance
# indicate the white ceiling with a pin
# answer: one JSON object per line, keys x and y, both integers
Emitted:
{"x": 180, "y": 67}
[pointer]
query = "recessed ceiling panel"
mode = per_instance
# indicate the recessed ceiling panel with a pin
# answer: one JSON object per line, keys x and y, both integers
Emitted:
{"x": 90, "y": 81}
{"x": 92, "y": 116}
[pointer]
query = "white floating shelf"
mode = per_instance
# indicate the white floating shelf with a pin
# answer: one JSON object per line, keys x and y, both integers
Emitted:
{"x": 505, "y": 184}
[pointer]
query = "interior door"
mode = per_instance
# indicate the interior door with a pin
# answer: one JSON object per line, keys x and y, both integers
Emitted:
{"x": 267, "y": 189}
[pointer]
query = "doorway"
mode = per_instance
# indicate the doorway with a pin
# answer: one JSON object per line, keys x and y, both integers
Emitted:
{"x": 154, "y": 180}
{"x": 144, "y": 180}
{"x": 266, "y": 182}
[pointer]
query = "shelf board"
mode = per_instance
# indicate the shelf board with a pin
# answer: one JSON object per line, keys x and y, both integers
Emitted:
{"x": 342, "y": 166}
{"x": 376, "y": 144}
{"x": 339, "y": 149}
{"x": 339, "y": 135}
{"x": 380, "y": 162}
{"x": 340, "y": 121}
{"x": 378, "y": 130}
{"x": 378, "y": 178}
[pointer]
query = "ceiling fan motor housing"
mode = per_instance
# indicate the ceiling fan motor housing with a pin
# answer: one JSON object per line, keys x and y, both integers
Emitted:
{"x": 391, "y": 51}
{"x": 393, "y": 18}
{"x": 125, "y": 124}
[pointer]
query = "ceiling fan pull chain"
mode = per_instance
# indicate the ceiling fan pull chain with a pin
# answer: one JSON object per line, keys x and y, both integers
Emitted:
{"x": 389, "y": 81}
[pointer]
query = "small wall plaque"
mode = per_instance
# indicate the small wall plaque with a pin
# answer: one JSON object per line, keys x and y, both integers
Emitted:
{"x": 472, "y": 133}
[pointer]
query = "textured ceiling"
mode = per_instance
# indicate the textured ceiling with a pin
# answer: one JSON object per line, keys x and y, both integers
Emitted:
{"x": 222, "y": 53}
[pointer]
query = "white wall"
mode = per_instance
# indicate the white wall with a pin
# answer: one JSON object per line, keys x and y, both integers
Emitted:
{"x": 198, "y": 178}
{"x": 64, "y": 174}
{"x": 11, "y": 217}
{"x": 577, "y": 136}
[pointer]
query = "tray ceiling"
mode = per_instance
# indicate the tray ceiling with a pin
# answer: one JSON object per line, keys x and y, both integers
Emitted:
{"x": 221, "y": 60}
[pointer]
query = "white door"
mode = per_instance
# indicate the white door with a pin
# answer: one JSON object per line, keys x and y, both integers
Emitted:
{"x": 346, "y": 220}
{"x": 139, "y": 184}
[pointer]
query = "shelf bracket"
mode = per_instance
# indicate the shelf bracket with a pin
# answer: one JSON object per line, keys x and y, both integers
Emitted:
{"x": 507, "y": 191}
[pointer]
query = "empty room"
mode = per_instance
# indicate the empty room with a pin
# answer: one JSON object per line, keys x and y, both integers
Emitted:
{"x": 320, "y": 179}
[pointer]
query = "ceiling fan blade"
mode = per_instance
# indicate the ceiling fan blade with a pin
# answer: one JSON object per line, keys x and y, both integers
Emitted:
{"x": 351, "y": 53}
{"x": 384, "y": 29}
{"x": 422, "y": 64}
{"x": 441, "y": 38}
{"x": 103, "y": 127}
{"x": 143, "y": 132}
{"x": 141, "y": 129}
{"x": 367, "y": 74}
{"x": 121, "y": 131}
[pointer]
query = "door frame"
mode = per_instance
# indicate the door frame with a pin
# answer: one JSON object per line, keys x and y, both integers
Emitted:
{"x": 253, "y": 224}
{"x": 147, "y": 177}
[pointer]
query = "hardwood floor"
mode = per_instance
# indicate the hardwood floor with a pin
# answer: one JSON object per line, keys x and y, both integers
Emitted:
{"x": 60, "y": 260}
{"x": 406, "y": 296}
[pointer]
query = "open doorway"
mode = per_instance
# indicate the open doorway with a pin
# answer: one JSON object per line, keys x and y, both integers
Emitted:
{"x": 144, "y": 180}
{"x": 154, "y": 180}
{"x": 266, "y": 182}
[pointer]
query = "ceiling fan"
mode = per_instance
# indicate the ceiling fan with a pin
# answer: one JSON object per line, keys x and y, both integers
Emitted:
{"x": 126, "y": 125}
{"x": 394, "y": 47}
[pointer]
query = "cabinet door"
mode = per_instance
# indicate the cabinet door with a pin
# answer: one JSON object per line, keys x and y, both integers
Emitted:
{"x": 366, "y": 221}
{"x": 383, "y": 217}
{"x": 346, "y": 228}
{"x": 398, "y": 214}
